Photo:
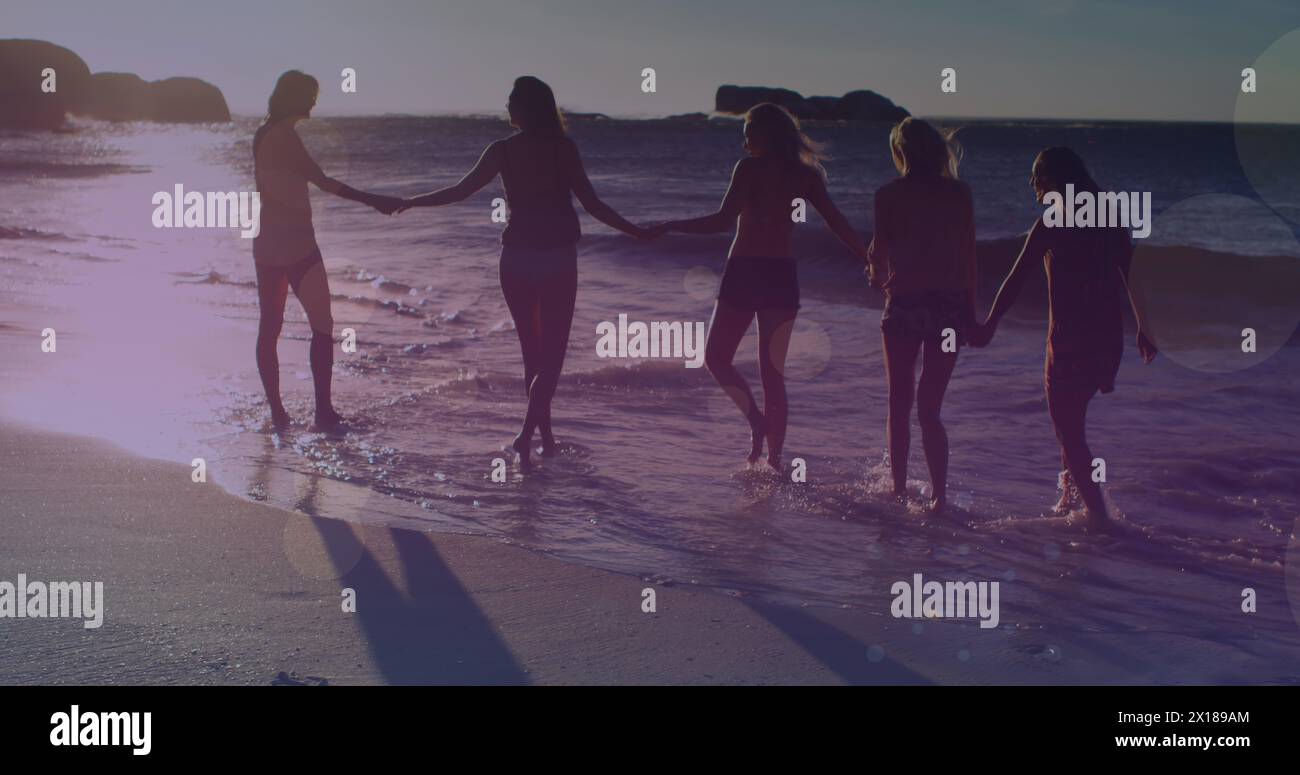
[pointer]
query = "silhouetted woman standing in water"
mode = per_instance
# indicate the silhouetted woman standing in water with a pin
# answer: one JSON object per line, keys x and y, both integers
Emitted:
{"x": 760, "y": 279}
{"x": 923, "y": 257}
{"x": 541, "y": 172}
{"x": 285, "y": 250}
{"x": 1087, "y": 290}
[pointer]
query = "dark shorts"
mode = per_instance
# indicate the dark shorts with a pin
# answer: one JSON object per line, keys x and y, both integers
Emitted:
{"x": 268, "y": 276}
{"x": 926, "y": 315}
{"x": 760, "y": 283}
{"x": 1086, "y": 369}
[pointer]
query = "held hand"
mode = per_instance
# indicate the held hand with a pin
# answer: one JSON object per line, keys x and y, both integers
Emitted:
{"x": 872, "y": 278}
{"x": 387, "y": 204}
{"x": 653, "y": 231}
{"x": 1146, "y": 347}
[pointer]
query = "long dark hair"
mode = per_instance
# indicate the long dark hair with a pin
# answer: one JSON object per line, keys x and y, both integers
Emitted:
{"x": 294, "y": 95}
{"x": 917, "y": 147}
{"x": 534, "y": 108}
{"x": 781, "y": 129}
{"x": 1061, "y": 165}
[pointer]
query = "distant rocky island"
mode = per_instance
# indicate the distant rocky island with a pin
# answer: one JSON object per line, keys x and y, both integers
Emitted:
{"x": 108, "y": 96}
{"x": 860, "y": 105}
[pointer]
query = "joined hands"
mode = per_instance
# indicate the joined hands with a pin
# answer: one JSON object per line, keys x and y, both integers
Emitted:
{"x": 388, "y": 204}
{"x": 652, "y": 231}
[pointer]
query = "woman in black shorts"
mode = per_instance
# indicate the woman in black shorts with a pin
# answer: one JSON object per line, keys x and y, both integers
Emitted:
{"x": 923, "y": 257}
{"x": 760, "y": 278}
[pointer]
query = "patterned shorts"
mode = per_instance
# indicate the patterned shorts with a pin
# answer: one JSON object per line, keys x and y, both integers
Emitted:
{"x": 925, "y": 315}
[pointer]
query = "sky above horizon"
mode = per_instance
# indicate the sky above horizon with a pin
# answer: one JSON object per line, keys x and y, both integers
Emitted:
{"x": 1162, "y": 60}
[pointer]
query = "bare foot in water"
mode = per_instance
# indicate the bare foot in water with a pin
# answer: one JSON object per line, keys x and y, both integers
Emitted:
{"x": 549, "y": 447}
{"x": 757, "y": 431}
{"x": 937, "y": 506}
{"x": 280, "y": 419}
{"x": 1069, "y": 495}
{"x": 328, "y": 420}
{"x": 522, "y": 447}
{"x": 1091, "y": 523}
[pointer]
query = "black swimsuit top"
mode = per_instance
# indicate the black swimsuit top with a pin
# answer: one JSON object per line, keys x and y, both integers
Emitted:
{"x": 543, "y": 218}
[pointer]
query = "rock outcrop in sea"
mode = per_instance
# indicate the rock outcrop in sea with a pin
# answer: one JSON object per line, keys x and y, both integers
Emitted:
{"x": 24, "y": 104}
{"x": 860, "y": 105}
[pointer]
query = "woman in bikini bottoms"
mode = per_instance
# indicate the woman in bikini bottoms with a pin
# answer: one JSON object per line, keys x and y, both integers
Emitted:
{"x": 923, "y": 257}
{"x": 285, "y": 250}
{"x": 541, "y": 172}
{"x": 1087, "y": 282}
{"x": 760, "y": 278}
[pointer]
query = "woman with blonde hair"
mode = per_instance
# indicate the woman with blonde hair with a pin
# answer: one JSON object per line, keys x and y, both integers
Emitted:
{"x": 923, "y": 257}
{"x": 759, "y": 279}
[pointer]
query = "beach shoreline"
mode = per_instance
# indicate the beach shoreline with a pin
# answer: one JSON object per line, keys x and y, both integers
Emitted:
{"x": 203, "y": 587}
{"x": 540, "y": 576}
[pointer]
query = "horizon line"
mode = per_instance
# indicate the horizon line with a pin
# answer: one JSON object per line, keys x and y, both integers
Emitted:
{"x": 711, "y": 115}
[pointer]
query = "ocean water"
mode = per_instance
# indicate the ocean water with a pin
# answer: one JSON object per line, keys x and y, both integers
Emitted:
{"x": 155, "y": 332}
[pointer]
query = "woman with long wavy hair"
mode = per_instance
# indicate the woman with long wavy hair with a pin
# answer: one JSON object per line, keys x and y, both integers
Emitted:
{"x": 541, "y": 172}
{"x": 760, "y": 279}
{"x": 1087, "y": 291}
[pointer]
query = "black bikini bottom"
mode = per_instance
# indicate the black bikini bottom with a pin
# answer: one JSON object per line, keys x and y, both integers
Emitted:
{"x": 293, "y": 272}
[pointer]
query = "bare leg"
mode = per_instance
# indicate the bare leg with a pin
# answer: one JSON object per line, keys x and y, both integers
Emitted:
{"x": 774, "y": 329}
{"x": 1069, "y": 410}
{"x": 313, "y": 292}
{"x": 935, "y": 374}
{"x": 528, "y": 325}
{"x": 555, "y": 312}
{"x": 543, "y": 315}
{"x": 726, "y": 329}
{"x": 524, "y": 301}
{"x": 900, "y": 371}
{"x": 1069, "y": 494}
{"x": 272, "y": 292}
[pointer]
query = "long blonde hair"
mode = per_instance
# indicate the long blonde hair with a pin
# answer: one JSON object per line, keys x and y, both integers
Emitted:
{"x": 781, "y": 129}
{"x": 919, "y": 148}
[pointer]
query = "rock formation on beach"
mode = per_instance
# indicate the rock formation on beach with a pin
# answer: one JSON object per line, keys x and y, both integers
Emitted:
{"x": 860, "y": 105}
{"x": 127, "y": 97}
{"x": 22, "y": 103}
{"x": 108, "y": 96}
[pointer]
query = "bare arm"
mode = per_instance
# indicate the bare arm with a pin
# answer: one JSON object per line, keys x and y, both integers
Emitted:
{"x": 835, "y": 220}
{"x": 1030, "y": 255}
{"x": 586, "y": 194}
{"x": 316, "y": 176}
{"x": 1124, "y": 263}
{"x": 878, "y": 252}
{"x": 725, "y": 217}
{"x": 487, "y": 168}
